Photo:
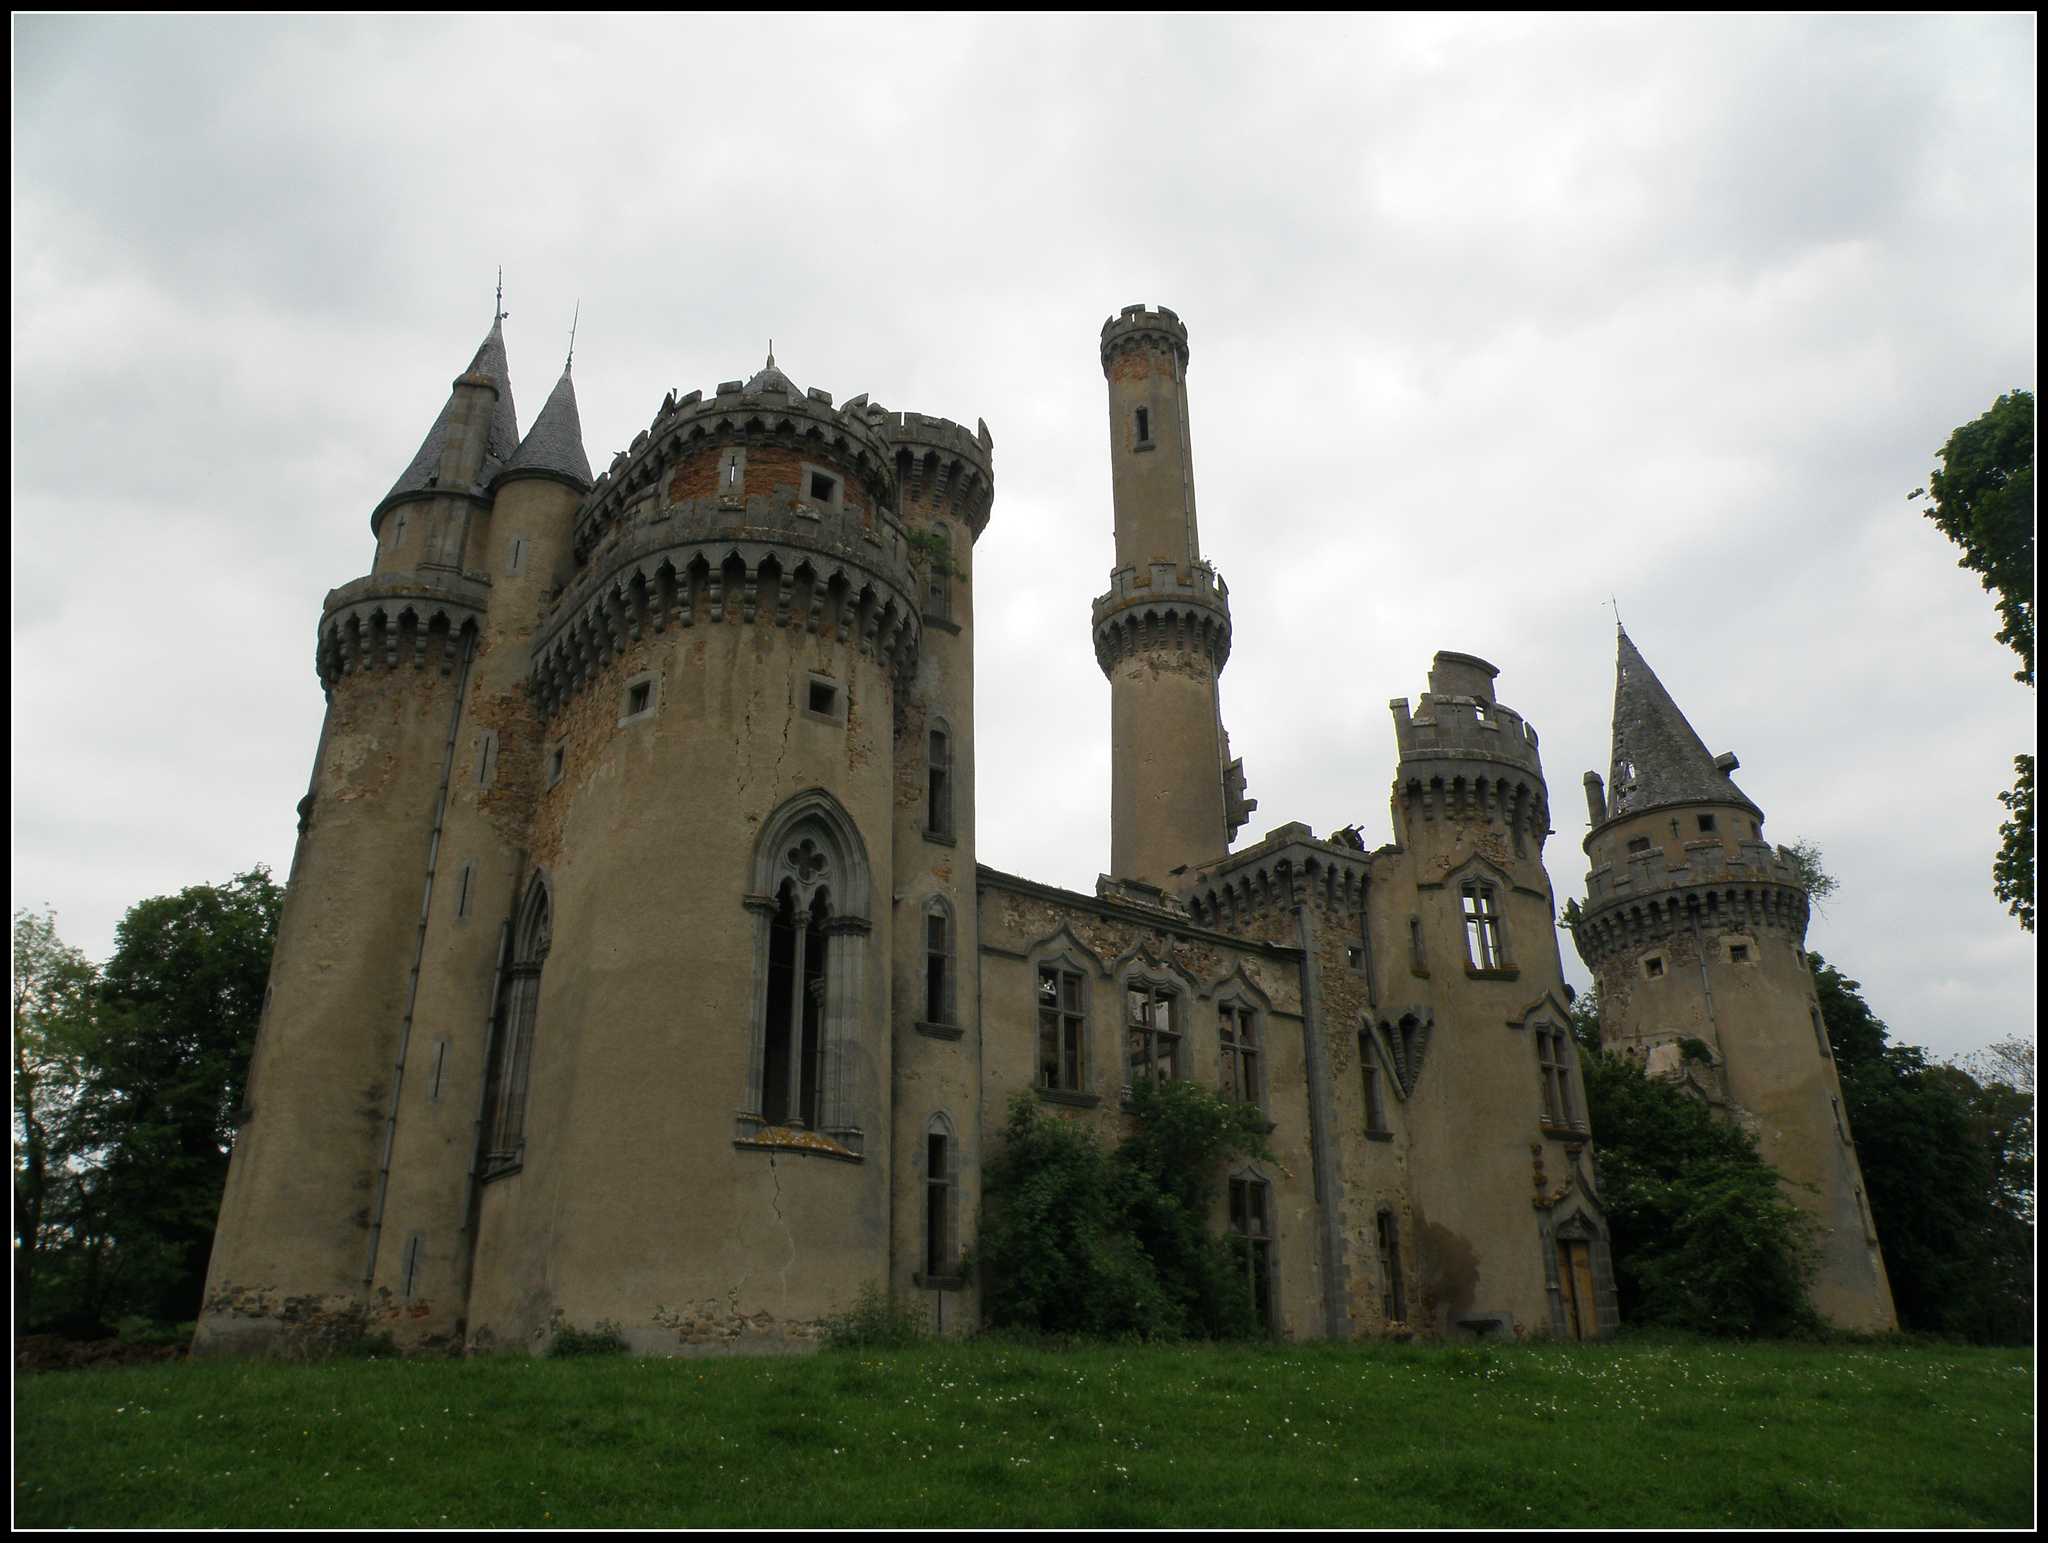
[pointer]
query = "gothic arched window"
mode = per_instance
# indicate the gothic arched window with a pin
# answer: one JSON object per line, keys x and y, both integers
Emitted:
{"x": 810, "y": 902}
{"x": 512, "y": 1036}
{"x": 938, "y": 961}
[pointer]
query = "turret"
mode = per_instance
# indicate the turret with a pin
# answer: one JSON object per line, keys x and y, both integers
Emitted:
{"x": 1465, "y": 757}
{"x": 1162, "y": 633}
{"x": 1695, "y": 930}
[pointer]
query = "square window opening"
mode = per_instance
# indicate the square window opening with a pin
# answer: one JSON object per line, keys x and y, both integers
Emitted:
{"x": 1707, "y": 823}
{"x": 637, "y": 697}
{"x": 1653, "y": 968}
{"x": 824, "y": 698}
{"x": 1738, "y": 953}
{"x": 1639, "y": 844}
{"x": 823, "y": 487}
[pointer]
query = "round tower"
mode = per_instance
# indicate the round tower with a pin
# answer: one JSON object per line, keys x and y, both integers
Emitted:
{"x": 1695, "y": 930}
{"x": 693, "y": 1044}
{"x": 297, "y": 1244}
{"x": 1162, "y": 633}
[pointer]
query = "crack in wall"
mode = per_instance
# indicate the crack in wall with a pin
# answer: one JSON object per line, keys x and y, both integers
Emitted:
{"x": 775, "y": 1205}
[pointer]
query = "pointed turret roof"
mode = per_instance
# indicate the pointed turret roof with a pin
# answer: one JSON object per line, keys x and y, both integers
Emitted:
{"x": 553, "y": 447}
{"x": 490, "y": 363}
{"x": 1658, "y": 759}
{"x": 770, "y": 379}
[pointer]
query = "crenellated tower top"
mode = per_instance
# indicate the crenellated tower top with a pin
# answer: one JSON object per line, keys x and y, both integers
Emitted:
{"x": 1138, "y": 330}
{"x": 1465, "y": 757}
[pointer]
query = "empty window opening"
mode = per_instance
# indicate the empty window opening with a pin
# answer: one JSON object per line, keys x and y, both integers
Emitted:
{"x": 938, "y": 1206}
{"x": 1653, "y": 967}
{"x": 1552, "y": 1048}
{"x": 1251, "y": 1236}
{"x": 1354, "y": 955}
{"x": 637, "y": 698}
{"x": 1393, "y": 1290}
{"x": 938, "y": 968}
{"x": 1059, "y": 1029}
{"x": 796, "y": 1010}
{"x": 1144, "y": 425}
{"x": 1738, "y": 953}
{"x": 1151, "y": 1032}
{"x": 1240, "y": 1053}
{"x": 1575, "y": 1286}
{"x": 1639, "y": 844}
{"x": 1369, "y": 1076}
{"x": 1706, "y": 823}
{"x": 939, "y": 791}
{"x": 465, "y": 888}
{"x": 1482, "y": 927}
{"x": 823, "y": 698}
{"x": 555, "y": 759}
{"x": 823, "y": 487}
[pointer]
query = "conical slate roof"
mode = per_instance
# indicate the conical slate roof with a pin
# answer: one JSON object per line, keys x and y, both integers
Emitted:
{"x": 490, "y": 362}
{"x": 553, "y": 447}
{"x": 1658, "y": 759}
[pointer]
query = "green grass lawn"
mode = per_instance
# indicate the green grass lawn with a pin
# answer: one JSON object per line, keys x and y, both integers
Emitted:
{"x": 1628, "y": 1434}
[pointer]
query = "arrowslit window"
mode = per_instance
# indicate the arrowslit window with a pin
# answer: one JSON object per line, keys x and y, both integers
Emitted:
{"x": 796, "y": 1010}
{"x": 1151, "y": 1032}
{"x": 1240, "y": 1052}
{"x": 1251, "y": 1236}
{"x": 1059, "y": 1029}
{"x": 1482, "y": 926}
{"x": 512, "y": 1038}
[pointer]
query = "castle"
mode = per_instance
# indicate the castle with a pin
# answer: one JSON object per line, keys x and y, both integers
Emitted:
{"x": 636, "y": 964}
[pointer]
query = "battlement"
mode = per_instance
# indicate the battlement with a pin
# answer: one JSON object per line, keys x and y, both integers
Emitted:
{"x": 1140, "y": 330}
{"x": 1641, "y": 874}
{"x": 1162, "y": 607}
{"x": 1289, "y": 868}
{"x": 383, "y": 621}
{"x": 939, "y": 464}
{"x": 1464, "y": 728}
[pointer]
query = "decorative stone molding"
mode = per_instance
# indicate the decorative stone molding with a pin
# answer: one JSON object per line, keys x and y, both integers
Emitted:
{"x": 1288, "y": 869}
{"x": 662, "y": 585}
{"x": 1139, "y": 330}
{"x": 388, "y": 620}
{"x": 1625, "y": 924}
{"x": 1163, "y": 610}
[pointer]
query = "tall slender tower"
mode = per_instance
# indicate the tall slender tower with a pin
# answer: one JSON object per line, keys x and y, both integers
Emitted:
{"x": 1162, "y": 633}
{"x": 1695, "y": 930}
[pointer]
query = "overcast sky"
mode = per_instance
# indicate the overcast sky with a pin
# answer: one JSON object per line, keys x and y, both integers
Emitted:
{"x": 1491, "y": 320}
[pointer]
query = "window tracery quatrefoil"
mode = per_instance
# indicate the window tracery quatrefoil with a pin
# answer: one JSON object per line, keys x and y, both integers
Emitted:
{"x": 806, "y": 861}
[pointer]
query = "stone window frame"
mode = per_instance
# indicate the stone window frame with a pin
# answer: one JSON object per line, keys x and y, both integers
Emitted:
{"x": 1064, "y": 953}
{"x": 1654, "y": 965}
{"x": 941, "y": 1206}
{"x": 941, "y": 783}
{"x": 651, "y": 679}
{"x": 844, "y": 874}
{"x": 1141, "y": 427}
{"x": 1235, "y": 992}
{"x": 946, "y": 1025}
{"x": 837, "y": 715}
{"x": 1556, "y": 1077}
{"x": 1730, "y": 941}
{"x": 1165, "y": 979}
{"x": 1260, "y": 1252}
{"x": 508, "y": 1072}
{"x": 1483, "y": 926}
{"x": 1372, "y": 1079}
{"x": 806, "y": 498}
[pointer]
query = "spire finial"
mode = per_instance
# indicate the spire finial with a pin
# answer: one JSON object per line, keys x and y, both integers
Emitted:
{"x": 771, "y": 353}
{"x": 498, "y": 311}
{"x": 575, "y": 316}
{"x": 1617, "y": 615}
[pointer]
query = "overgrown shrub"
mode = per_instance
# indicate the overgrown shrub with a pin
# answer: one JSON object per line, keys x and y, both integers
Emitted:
{"x": 604, "y": 1339}
{"x": 1704, "y": 1236}
{"x": 1081, "y": 1238}
{"x": 876, "y": 1323}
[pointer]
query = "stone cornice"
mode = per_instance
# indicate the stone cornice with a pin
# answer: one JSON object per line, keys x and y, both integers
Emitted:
{"x": 1164, "y": 610}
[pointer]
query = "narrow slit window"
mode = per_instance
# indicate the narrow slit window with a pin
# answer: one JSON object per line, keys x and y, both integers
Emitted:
{"x": 465, "y": 888}
{"x": 515, "y": 563}
{"x": 795, "y": 1012}
{"x": 1482, "y": 927}
{"x": 1820, "y": 1035}
{"x": 487, "y": 759}
{"x": 1152, "y": 1032}
{"x": 938, "y": 1206}
{"x": 939, "y": 791}
{"x": 1144, "y": 425}
{"x": 1240, "y": 1053}
{"x": 1251, "y": 1236}
{"x": 1369, "y": 1076}
{"x": 555, "y": 759}
{"x": 512, "y": 1039}
{"x": 1059, "y": 1029}
{"x": 409, "y": 1274}
{"x": 1393, "y": 1290}
{"x": 938, "y": 968}
{"x": 437, "y": 1079}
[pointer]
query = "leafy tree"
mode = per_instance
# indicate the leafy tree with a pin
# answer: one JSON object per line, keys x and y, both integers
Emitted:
{"x": 1937, "y": 1152}
{"x": 165, "y": 1064}
{"x": 54, "y": 987}
{"x": 1704, "y": 1236}
{"x": 1819, "y": 884}
{"x": 1081, "y": 1238}
{"x": 1984, "y": 503}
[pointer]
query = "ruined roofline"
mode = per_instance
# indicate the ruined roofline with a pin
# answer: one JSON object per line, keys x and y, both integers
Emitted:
{"x": 1161, "y": 919}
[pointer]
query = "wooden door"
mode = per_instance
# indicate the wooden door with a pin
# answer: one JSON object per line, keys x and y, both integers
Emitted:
{"x": 1575, "y": 1278}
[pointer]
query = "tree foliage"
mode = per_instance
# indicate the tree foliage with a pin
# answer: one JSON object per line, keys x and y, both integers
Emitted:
{"x": 2012, "y": 870}
{"x": 1946, "y": 1164}
{"x": 1078, "y": 1237}
{"x": 1704, "y": 1236}
{"x": 137, "y": 1069}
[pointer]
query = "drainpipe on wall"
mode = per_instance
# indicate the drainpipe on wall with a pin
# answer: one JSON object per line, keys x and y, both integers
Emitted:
{"x": 1322, "y": 1147}
{"x": 419, "y": 944}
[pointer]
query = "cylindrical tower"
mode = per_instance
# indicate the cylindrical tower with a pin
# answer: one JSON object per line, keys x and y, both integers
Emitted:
{"x": 1695, "y": 929}
{"x": 694, "y": 1050}
{"x": 1473, "y": 1026}
{"x": 945, "y": 483}
{"x": 295, "y": 1244}
{"x": 1162, "y": 633}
